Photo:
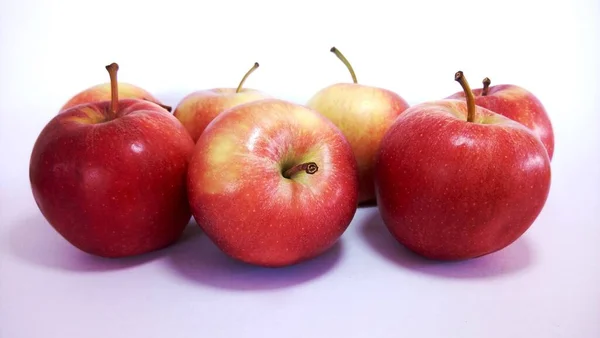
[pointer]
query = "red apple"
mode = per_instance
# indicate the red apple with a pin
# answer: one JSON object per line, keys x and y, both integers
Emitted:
{"x": 198, "y": 109}
{"x": 363, "y": 114}
{"x": 272, "y": 183}
{"x": 110, "y": 177}
{"x": 102, "y": 92}
{"x": 458, "y": 181}
{"x": 518, "y": 104}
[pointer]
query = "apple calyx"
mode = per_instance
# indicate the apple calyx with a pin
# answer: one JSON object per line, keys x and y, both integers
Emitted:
{"x": 112, "y": 69}
{"x": 460, "y": 78}
{"x": 308, "y": 167}
{"x": 345, "y": 61}
{"x": 486, "y": 86}
{"x": 239, "y": 87}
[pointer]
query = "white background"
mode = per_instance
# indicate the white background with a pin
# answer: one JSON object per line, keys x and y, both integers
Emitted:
{"x": 547, "y": 284}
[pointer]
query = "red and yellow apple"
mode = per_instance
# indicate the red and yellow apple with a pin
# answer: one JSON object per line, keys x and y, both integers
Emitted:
{"x": 363, "y": 114}
{"x": 273, "y": 183}
{"x": 458, "y": 181}
{"x": 517, "y": 104}
{"x": 101, "y": 92}
{"x": 198, "y": 109}
{"x": 110, "y": 176}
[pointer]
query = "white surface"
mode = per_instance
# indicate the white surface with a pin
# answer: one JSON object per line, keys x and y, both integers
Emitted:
{"x": 547, "y": 284}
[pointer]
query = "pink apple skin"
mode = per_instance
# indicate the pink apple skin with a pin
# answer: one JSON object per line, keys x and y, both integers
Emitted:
{"x": 199, "y": 108}
{"x": 520, "y": 105}
{"x": 449, "y": 189}
{"x": 113, "y": 187}
{"x": 101, "y": 92}
{"x": 245, "y": 205}
{"x": 363, "y": 114}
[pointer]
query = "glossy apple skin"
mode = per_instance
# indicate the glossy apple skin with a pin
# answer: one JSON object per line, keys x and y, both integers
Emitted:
{"x": 243, "y": 203}
{"x": 449, "y": 189}
{"x": 101, "y": 92}
{"x": 113, "y": 187}
{"x": 363, "y": 114}
{"x": 517, "y": 104}
{"x": 198, "y": 109}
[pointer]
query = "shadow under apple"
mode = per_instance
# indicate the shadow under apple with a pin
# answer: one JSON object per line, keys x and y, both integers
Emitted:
{"x": 200, "y": 261}
{"x": 368, "y": 204}
{"x": 35, "y": 241}
{"x": 516, "y": 257}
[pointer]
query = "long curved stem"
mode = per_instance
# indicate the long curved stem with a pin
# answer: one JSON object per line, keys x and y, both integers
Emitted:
{"x": 112, "y": 69}
{"x": 460, "y": 77}
{"x": 239, "y": 87}
{"x": 345, "y": 61}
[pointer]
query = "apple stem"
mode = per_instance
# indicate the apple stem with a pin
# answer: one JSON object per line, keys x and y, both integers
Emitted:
{"x": 460, "y": 77}
{"x": 165, "y": 107}
{"x": 345, "y": 61}
{"x": 486, "y": 86}
{"x": 239, "y": 87}
{"x": 114, "y": 87}
{"x": 308, "y": 167}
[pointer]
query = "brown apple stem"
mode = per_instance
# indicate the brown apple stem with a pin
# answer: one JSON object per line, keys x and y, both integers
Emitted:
{"x": 460, "y": 77}
{"x": 308, "y": 167}
{"x": 165, "y": 107}
{"x": 112, "y": 69}
{"x": 345, "y": 61}
{"x": 486, "y": 86}
{"x": 239, "y": 87}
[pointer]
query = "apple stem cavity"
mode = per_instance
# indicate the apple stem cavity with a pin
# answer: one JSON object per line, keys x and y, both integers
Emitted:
{"x": 345, "y": 61}
{"x": 486, "y": 86}
{"x": 239, "y": 87}
{"x": 308, "y": 167}
{"x": 112, "y": 69}
{"x": 460, "y": 77}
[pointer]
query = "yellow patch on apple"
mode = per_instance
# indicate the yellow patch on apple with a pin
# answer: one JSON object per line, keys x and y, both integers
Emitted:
{"x": 307, "y": 120}
{"x": 221, "y": 149}
{"x": 221, "y": 153}
{"x": 92, "y": 116}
